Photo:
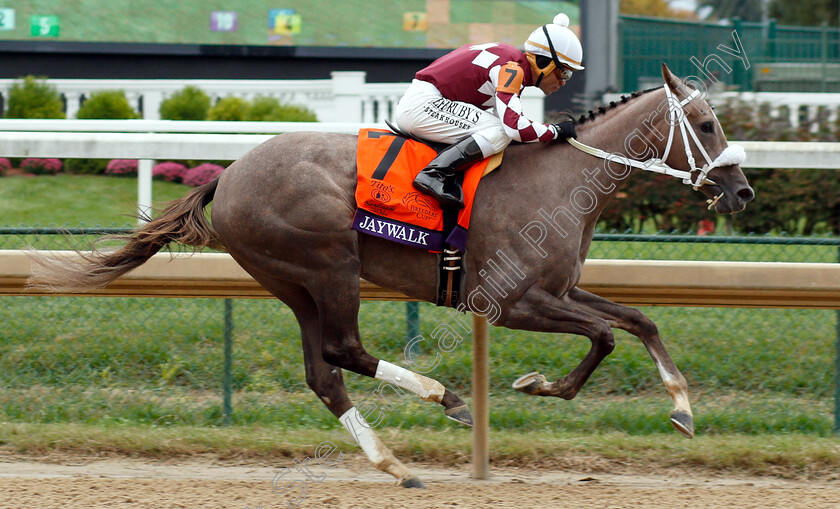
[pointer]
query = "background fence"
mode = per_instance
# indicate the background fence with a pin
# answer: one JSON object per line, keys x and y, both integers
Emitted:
{"x": 345, "y": 97}
{"x": 161, "y": 361}
{"x": 782, "y": 58}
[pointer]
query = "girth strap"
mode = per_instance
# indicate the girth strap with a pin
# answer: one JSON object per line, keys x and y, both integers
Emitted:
{"x": 449, "y": 283}
{"x": 450, "y": 263}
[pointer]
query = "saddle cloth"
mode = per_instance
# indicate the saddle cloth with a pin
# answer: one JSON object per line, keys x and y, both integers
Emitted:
{"x": 389, "y": 207}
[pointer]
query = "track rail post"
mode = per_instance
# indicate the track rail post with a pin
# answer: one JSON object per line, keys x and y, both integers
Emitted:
{"x": 837, "y": 365}
{"x": 480, "y": 392}
{"x": 227, "y": 410}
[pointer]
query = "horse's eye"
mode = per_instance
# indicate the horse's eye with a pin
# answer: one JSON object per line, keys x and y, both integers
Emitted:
{"x": 707, "y": 127}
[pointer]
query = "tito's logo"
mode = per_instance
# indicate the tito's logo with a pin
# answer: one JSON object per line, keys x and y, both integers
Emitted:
{"x": 380, "y": 195}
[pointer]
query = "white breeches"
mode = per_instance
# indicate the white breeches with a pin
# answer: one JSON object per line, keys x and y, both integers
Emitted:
{"x": 424, "y": 113}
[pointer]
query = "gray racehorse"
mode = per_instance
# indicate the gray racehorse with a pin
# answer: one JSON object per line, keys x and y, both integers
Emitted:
{"x": 284, "y": 212}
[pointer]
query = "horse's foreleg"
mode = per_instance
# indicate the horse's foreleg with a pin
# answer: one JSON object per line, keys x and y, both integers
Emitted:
{"x": 541, "y": 311}
{"x": 636, "y": 323}
{"x": 427, "y": 388}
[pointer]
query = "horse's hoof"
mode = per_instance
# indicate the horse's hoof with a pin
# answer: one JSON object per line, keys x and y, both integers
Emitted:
{"x": 460, "y": 414}
{"x": 684, "y": 422}
{"x": 531, "y": 383}
{"x": 412, "y": 482}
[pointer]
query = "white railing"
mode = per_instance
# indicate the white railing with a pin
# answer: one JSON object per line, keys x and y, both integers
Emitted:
{"x": 799, "y": 107}
{"x": 148, "y": 141}
{"x": 345, "y": 97}
{"x": 170, "y": 139}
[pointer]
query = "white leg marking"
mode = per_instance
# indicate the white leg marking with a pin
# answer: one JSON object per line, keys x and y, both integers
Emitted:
{"x": 423, "y": 386}
{"x": 378, "y": 454}
{"x": 676, "y": 389}
{"x": 666, "y": 377}
{"x": 361, "y": 431}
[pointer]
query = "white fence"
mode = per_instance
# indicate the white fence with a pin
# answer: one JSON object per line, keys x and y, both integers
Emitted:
{"x": 799, "y": 108}
{"x": 345, "y": 97}
{"x": 160, "y": 140}
{"x": 170, "y": 139}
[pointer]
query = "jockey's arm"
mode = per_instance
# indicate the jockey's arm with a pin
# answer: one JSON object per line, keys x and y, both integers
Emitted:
{"x": 507, "y": 81}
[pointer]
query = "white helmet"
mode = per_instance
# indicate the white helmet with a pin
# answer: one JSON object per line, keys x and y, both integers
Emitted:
{"x": 558, "y": 42}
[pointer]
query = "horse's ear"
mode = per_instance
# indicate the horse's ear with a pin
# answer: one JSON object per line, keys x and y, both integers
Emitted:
{"x": 674, "y": 83}
{"x": 670, "y": 78}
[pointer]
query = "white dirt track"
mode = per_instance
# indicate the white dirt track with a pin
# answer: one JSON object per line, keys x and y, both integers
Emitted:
{"x": 78, "y": 482}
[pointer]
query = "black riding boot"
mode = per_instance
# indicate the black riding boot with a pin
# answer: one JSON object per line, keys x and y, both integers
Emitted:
{"x": 438, "y": 178}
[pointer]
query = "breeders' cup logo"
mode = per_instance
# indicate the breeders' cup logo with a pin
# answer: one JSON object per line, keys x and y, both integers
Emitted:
{"x": 380, "y": 195}
{"x": 421, "y": 205}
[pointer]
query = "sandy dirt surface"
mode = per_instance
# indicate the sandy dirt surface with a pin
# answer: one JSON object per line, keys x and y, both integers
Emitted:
{"x": 207, "y": 483}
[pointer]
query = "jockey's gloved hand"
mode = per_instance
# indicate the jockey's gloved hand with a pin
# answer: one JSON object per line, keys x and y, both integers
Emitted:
{"x": 564, "y": 130}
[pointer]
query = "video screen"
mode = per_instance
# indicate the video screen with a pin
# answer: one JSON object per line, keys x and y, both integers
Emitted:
{"x": 340, "y": 23}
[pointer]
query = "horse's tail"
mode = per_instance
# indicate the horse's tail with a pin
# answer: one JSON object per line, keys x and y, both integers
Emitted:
{"x": 182, "y": 222}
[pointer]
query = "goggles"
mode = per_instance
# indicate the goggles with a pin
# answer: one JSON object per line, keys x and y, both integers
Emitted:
{"x": 564, "y": 73}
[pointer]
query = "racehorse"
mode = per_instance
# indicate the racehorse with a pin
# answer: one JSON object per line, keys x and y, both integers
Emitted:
{"x": 284, "y": 212}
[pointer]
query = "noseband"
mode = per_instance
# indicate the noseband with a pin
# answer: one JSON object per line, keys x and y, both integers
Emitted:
{"x": 732, "y": 154}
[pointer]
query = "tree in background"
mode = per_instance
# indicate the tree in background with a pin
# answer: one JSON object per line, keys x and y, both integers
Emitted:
{"x": 801, "y": 12}
{"x": 655, "y": 8}
{"x": 271, "y": 109}
{"x": 107, "y": 104}
{"x": 190, "y": 103}
{"x": 747, "y": 10}
{"x": 33, "y": 97}
{"x": 805, "y": 12}
{"x": 228, "y": 109}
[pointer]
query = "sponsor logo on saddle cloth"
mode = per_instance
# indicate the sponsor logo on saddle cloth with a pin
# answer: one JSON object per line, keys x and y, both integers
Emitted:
{"x": 388, "y": 205}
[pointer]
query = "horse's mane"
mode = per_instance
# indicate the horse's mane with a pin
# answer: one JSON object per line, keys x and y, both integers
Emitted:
{"x": 603, "y": 109}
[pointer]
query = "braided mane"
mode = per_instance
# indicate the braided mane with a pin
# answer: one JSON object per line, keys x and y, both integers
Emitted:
{"x": 603, "y": 109}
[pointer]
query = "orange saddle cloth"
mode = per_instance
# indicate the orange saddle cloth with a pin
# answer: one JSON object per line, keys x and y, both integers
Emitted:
{"x": 391, "y": 208}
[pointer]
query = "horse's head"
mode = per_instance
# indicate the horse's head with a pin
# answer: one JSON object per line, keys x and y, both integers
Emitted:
{"x": 698, "y": 144}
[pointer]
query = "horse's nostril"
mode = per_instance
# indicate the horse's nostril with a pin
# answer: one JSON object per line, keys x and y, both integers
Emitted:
{"x": 746, "y": 194}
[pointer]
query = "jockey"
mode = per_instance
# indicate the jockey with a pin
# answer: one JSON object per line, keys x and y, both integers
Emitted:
{"x": 469, "y": 99}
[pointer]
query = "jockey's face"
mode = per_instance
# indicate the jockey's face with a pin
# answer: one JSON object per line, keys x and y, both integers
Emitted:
{"x": 552, "y": 82}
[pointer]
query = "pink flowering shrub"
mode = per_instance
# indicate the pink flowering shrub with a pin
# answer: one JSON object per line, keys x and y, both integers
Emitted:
{"x": 202, "y": 174}
{"x": 41, "y": 166}
{"x": 169, "y": 171}
{"x": 122, "y": 167}
{"x": 5, "y": 165}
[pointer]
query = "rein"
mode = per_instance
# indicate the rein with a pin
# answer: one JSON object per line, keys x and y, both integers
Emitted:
{"x": 732, "y": 154}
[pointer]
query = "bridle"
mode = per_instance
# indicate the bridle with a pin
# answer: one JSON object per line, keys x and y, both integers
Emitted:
{"x": 732, "y": 154}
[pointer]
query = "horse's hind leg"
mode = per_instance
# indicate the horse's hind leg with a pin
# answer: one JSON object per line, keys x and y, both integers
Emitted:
{"x": 338, "y": 312}
{"x": 327, "y": 382}
{"x": 636, "y": 323}
{"x": 541, "y": 311}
